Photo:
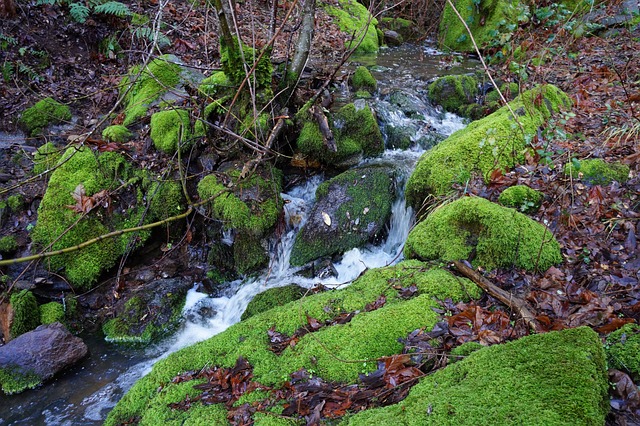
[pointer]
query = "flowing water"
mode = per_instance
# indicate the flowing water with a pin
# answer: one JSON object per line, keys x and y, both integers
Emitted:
{"x": 85, "y": 394}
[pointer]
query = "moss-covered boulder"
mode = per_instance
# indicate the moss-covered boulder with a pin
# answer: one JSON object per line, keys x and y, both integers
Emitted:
{"x": 597, "y": 172}
{"x": 623, "y": 349}
{"x": 486, "y": 19}
{"x": 353, "y": 17}
{"x": 250, "y": 207}
{"x": 116, "y": 133}
{"x": 558, "y": 378}
{"x": 43, "y": 113}
{"x": 356, "y": 133}
{"x": 368, "y": 336}
{"x": 63, "y": 221}
{"x": 26, "y": 313}
{"x": 522, "y": 198}
{"x": 487, "y": 234}
{"x": 45, "y": 158}
{"x": 495, "y": 142}
{"x": 453, "y": 91}
{"x": 351, "y": 210}
{"x": 272, "y": 298}
{"x": 172, "y": 130}
{"x": 151, "y": 313}
{"x": 407, "y": 29}
{"x": 363, "y": 80}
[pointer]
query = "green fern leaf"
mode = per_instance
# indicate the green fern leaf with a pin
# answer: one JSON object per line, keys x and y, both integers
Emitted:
{"x": 79, "y": 12}
{"x": 114, "y": 8}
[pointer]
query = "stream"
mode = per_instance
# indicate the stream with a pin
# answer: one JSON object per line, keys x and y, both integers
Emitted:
{"x": 85, "y": 394}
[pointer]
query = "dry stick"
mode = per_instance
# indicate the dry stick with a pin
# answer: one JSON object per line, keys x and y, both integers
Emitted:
{"x": 484, "y": 65}
{"x": 514, "y": 303}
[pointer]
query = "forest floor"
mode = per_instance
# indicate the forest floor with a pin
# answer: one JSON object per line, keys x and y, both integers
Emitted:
{"x": 597, "y": 285}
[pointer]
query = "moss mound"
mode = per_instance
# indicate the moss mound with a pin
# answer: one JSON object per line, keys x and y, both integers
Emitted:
{"x": 83, "y": 173}
{"x": 272, "y": 298}
{"x": 558, "y": 378}
{"x": 495, "y": 142}
{"x": 485, "y": 18}
{"x": 8, "y": 244}
{"x": 362, "y": 80}
{"x": 597, "y": 172}
{"x": 368, "y": 336}
{"x": 171, "y": 130}
{"x": 353, "y": 18}
{"x": 453, "y": 91}
{"x": 623, "y": 349}
{"x": 355, "y": 130}
{"x": 45, "y": 112}
{"x": 26, "y": 313}
{"x": 492, "y": 235}
{"x": 522, "y": 198}
{"x": 116, "y": 133}
{"x": 52, "y": 312}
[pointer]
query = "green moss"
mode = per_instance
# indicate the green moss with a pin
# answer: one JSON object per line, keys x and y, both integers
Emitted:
{"x": 14, "y": 380}
{"x": 60, "y": 227}
{"x": 233, "y": 65}
{"x": 45, "y": 112}
{"x": 167, "y": 199}
{"x": 248, "y": 254}
{"x": 495, "y": 142}
{"x": 271, "y": 298}
{"x": 45, "y": 158}
{"x": 558, "y": 378}
{"x": 52, "y": 312}
{"x": 368, "y": 336}
{"x": 522, "y": 198}
{"x": 623, "y": 349}
{"x": 26, "y": 314}
{"x": 353, "y": 18}
{"x": 495, "y": 236}
{"x": 363, "y": 80}
{"x": 355, "y": 130}
{"x": 256, "y": 128}
{"x": 485, "y": 18}
{"x": 213, "y": 84}
{"x": 597, "y": 172}
{"x": 8, "y": 244}
{"x": 453, "y": 91}
{"x": 171, "y": 130}
{"x": 142, "y": 90}
{"x": 466, "y": 349}
{"x": 508, "y": 90}
{"x": 116, "y": 133}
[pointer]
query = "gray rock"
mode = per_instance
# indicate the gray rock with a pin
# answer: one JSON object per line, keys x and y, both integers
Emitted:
{"x": 392, "y": 38}
{"x": 38, "y": 355}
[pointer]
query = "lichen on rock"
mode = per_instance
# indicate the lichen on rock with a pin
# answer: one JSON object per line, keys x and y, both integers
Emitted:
{"x": 494, "y": 142}
{"x": 485, "y": 233}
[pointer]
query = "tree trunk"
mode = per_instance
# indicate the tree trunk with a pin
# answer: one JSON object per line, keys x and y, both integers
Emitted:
{"x": 302, "y": 47}
{"x": 8, "y": 8}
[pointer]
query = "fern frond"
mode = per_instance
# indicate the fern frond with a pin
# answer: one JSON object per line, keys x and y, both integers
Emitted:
{"x": 114, "y": 8}
{"x": 79, "y": 12}
{"x": 48, "y": 2}
{"x": 146, "y": 33}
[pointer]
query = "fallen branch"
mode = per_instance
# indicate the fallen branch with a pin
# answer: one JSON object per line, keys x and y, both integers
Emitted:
{"x": 514, "y": 303}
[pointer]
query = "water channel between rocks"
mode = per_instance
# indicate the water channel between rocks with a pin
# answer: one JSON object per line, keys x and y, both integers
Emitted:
{"x": 85, "y": 394}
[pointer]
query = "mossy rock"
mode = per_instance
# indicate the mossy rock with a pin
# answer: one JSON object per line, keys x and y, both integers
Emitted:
{"x": 52, "y": 312}
{"x": 150, "y": 314}
{"x": 60, "y": 227}
{"x": 557, "y": 378}
{"x": 368, "y": 336}
{"x": 171, "y": 130}
{"x": 141, "y": 91}
{"x": 522, "y": 198}
{"x": 489, "y": 235}
{"x": 356, "y": 133}
{"x": 8, "y": 244}
{"x": 508, "y": 90}
{"x": 494, "y": 142}
{"x": 597, "y": 172}
{"x": 485, "y": 19}
{"x": 351, "y": 210}
{"x": 362, "y": 80}
{"x": 406, "y": 28}
{"x": 215, "y": 84}
{"x": 43, "y": 113}
{"x": 354, "y": 18}
{"x": 453, "y": 91}
{"x": 45, "y": 158}
{"x": 116, "y": 133}
{"x": 26, "y": 313}
{"x": 623, "y": 349}
{"x": 272, "y": 298}
{"x": 249, "y": 255}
